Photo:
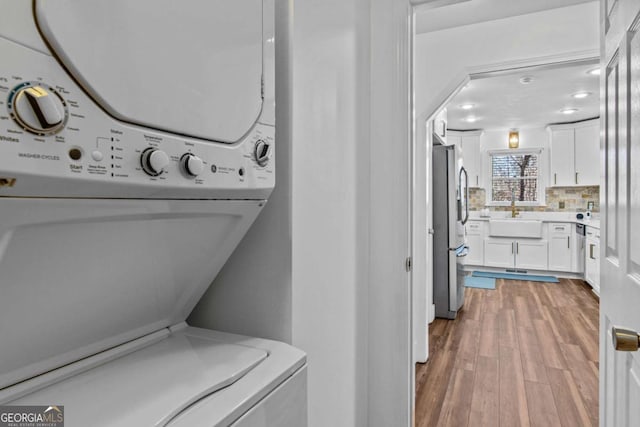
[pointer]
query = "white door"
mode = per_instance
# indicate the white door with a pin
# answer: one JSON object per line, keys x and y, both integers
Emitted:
{"x": 620, "y": 234}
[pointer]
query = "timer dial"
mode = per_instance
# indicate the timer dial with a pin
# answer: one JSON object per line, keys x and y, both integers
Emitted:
{"x": 154, "y": 161}
{"x": 191, "y": 164}
{"x": 38, "y": 108}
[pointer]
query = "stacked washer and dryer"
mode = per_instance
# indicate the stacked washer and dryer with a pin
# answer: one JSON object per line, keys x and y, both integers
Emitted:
{"x": 136, "y": 149}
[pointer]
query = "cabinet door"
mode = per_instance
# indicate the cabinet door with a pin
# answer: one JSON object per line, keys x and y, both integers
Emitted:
{"x": 587, "y": 155}
{"x": 476, "y": 250}
{"x": 596, "y": 276}
{"x": 499, "y": 253}
{"x": 531, "y": 254}
{"x": 560, "y": 251}
{"x": 562, "y": 158}
{"x": 475, "y": 241}
{"x": 591, "y": 270}
{"x": 561, "y": 246}
{"x": 471, "y": 159}
{"x": 577, "y": 263}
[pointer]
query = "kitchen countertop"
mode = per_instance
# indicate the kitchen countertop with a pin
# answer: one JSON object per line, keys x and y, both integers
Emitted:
{"x": 541, "y": 216}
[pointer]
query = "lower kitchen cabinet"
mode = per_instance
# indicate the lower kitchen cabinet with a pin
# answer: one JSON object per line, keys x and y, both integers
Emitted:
{"x": 499, "y": 253}
{"x": 592, "y": 259}
{"x": 522, "y": 253}
{"x": 561, "y": 247}
{"x": 531, "y": 254}
{"x": 475, "y": 241}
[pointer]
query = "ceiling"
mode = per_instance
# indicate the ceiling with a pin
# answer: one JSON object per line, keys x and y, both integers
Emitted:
{"x": 473, "y": 11}
{"x": 503, "y": 102}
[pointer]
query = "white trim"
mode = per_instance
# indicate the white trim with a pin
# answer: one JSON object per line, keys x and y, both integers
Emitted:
{"x": 462, "y": 78}
{"x": 420, "y": 5}
{"x": 477, "y": 132}
{"x": 574, "y": 125}
{"x": 516, "y": 151}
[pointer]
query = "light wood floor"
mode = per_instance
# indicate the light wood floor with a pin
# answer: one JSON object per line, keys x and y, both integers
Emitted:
{"x": 525, "y": 354}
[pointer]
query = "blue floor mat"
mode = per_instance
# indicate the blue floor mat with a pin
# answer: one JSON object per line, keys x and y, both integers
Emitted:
{"x": 515, "y": 276}
{"x": 479, "y": 282}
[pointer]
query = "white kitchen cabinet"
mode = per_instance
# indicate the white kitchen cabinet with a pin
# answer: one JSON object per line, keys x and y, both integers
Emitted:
{"x": 587, "y": 145}
{"x": 453, "y": 139}
{"x": 440, "y": 127}
{"x": 562, "y": 156}
{"x": 531, "y": 254}
{"x": 469, "y": 143}
{"x": 592, "y": 259}
{"x": 561, "y": 246}
{"x": 475, "y": 241}
{"x": 575, "y": 154}
{"x": 471, "y": 159}
{"x": 499, "y": 253}
{"x": 528, "y": 254}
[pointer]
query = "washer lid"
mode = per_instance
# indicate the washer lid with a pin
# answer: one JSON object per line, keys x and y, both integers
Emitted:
{"x": 151, "y": 386}
{"x": 192, "y": 67}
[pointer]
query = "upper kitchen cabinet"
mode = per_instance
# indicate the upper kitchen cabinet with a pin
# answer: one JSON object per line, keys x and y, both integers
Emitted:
{"x": 439, "y": 125}
{"x": 575, "y": 154}
{"x": 470, "y": 145}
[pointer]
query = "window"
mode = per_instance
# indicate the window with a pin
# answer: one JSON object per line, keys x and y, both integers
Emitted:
{"x": 515, "y": 175}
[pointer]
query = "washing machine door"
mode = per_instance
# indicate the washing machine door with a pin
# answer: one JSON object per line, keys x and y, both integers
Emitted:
{"x": 191, "y": 67}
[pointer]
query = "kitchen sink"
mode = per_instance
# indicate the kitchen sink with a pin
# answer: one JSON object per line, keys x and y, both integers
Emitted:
{"x": 515, "y": 228}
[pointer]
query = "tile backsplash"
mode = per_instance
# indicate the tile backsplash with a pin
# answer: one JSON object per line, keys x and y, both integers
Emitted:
{"x": 574, "y": 198}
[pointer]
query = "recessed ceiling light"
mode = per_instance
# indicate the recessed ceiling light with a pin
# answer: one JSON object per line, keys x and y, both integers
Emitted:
{"x": 580, "y": 95}
{"x": 471, "y": 119}
{"x": 467, "y": 106}
{"x": 569, "y": 110}
{"x": 525, "y": 80}
{"x": 594, "y": 71}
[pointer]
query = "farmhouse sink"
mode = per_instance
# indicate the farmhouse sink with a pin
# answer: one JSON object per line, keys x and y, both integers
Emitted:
{"x": 515, "y": 228}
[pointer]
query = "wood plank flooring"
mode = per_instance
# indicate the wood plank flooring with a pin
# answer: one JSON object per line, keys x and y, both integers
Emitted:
{"x": 524, "y": 354}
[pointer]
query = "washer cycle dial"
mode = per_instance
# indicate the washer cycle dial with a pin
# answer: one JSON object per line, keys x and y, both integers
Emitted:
{"x": 37, "y": 108}
{"x": 154, "y": 161}
{"x": 191, "y": 165}
{"x": 261, "y": 152}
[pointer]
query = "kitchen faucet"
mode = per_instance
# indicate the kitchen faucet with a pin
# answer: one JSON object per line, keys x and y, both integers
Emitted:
{"x": 514, "y": 211}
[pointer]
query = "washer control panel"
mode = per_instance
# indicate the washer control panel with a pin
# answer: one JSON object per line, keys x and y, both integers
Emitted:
{"x": 56, "y": 142}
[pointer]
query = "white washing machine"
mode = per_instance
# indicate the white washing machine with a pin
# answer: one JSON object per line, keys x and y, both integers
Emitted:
{"x": 136, "y": 149}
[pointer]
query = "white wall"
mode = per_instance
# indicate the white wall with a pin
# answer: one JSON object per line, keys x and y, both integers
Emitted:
{"x": 323, "y": 266}
{"x": 444, "y": 59}
{"x": 330, "y": 191}
{"x": 529, "y": 138}
{"x": 252, "y": 293}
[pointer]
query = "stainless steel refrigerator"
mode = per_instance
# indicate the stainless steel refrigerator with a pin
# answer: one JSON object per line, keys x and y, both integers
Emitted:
{"x": 450, "y": 213}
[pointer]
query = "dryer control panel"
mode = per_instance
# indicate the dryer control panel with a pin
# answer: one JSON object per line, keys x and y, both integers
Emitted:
{"x": 56, "y": 142}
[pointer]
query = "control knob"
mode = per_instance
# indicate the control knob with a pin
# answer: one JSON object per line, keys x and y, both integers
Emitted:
{"x": 37, "y": 108}
{"x": 154, "y": 161}
{"x": 261, "y": 152}
{"x": 191, "y": 165}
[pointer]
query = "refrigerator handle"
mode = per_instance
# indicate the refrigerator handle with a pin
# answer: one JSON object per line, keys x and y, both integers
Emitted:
{"x": 465, "y": 194}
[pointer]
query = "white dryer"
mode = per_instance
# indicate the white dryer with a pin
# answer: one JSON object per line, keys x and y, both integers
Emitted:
{"x": 136, "y": 149}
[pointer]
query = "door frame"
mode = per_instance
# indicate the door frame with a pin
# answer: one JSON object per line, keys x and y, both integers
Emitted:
{"x": 422, "y": 300}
